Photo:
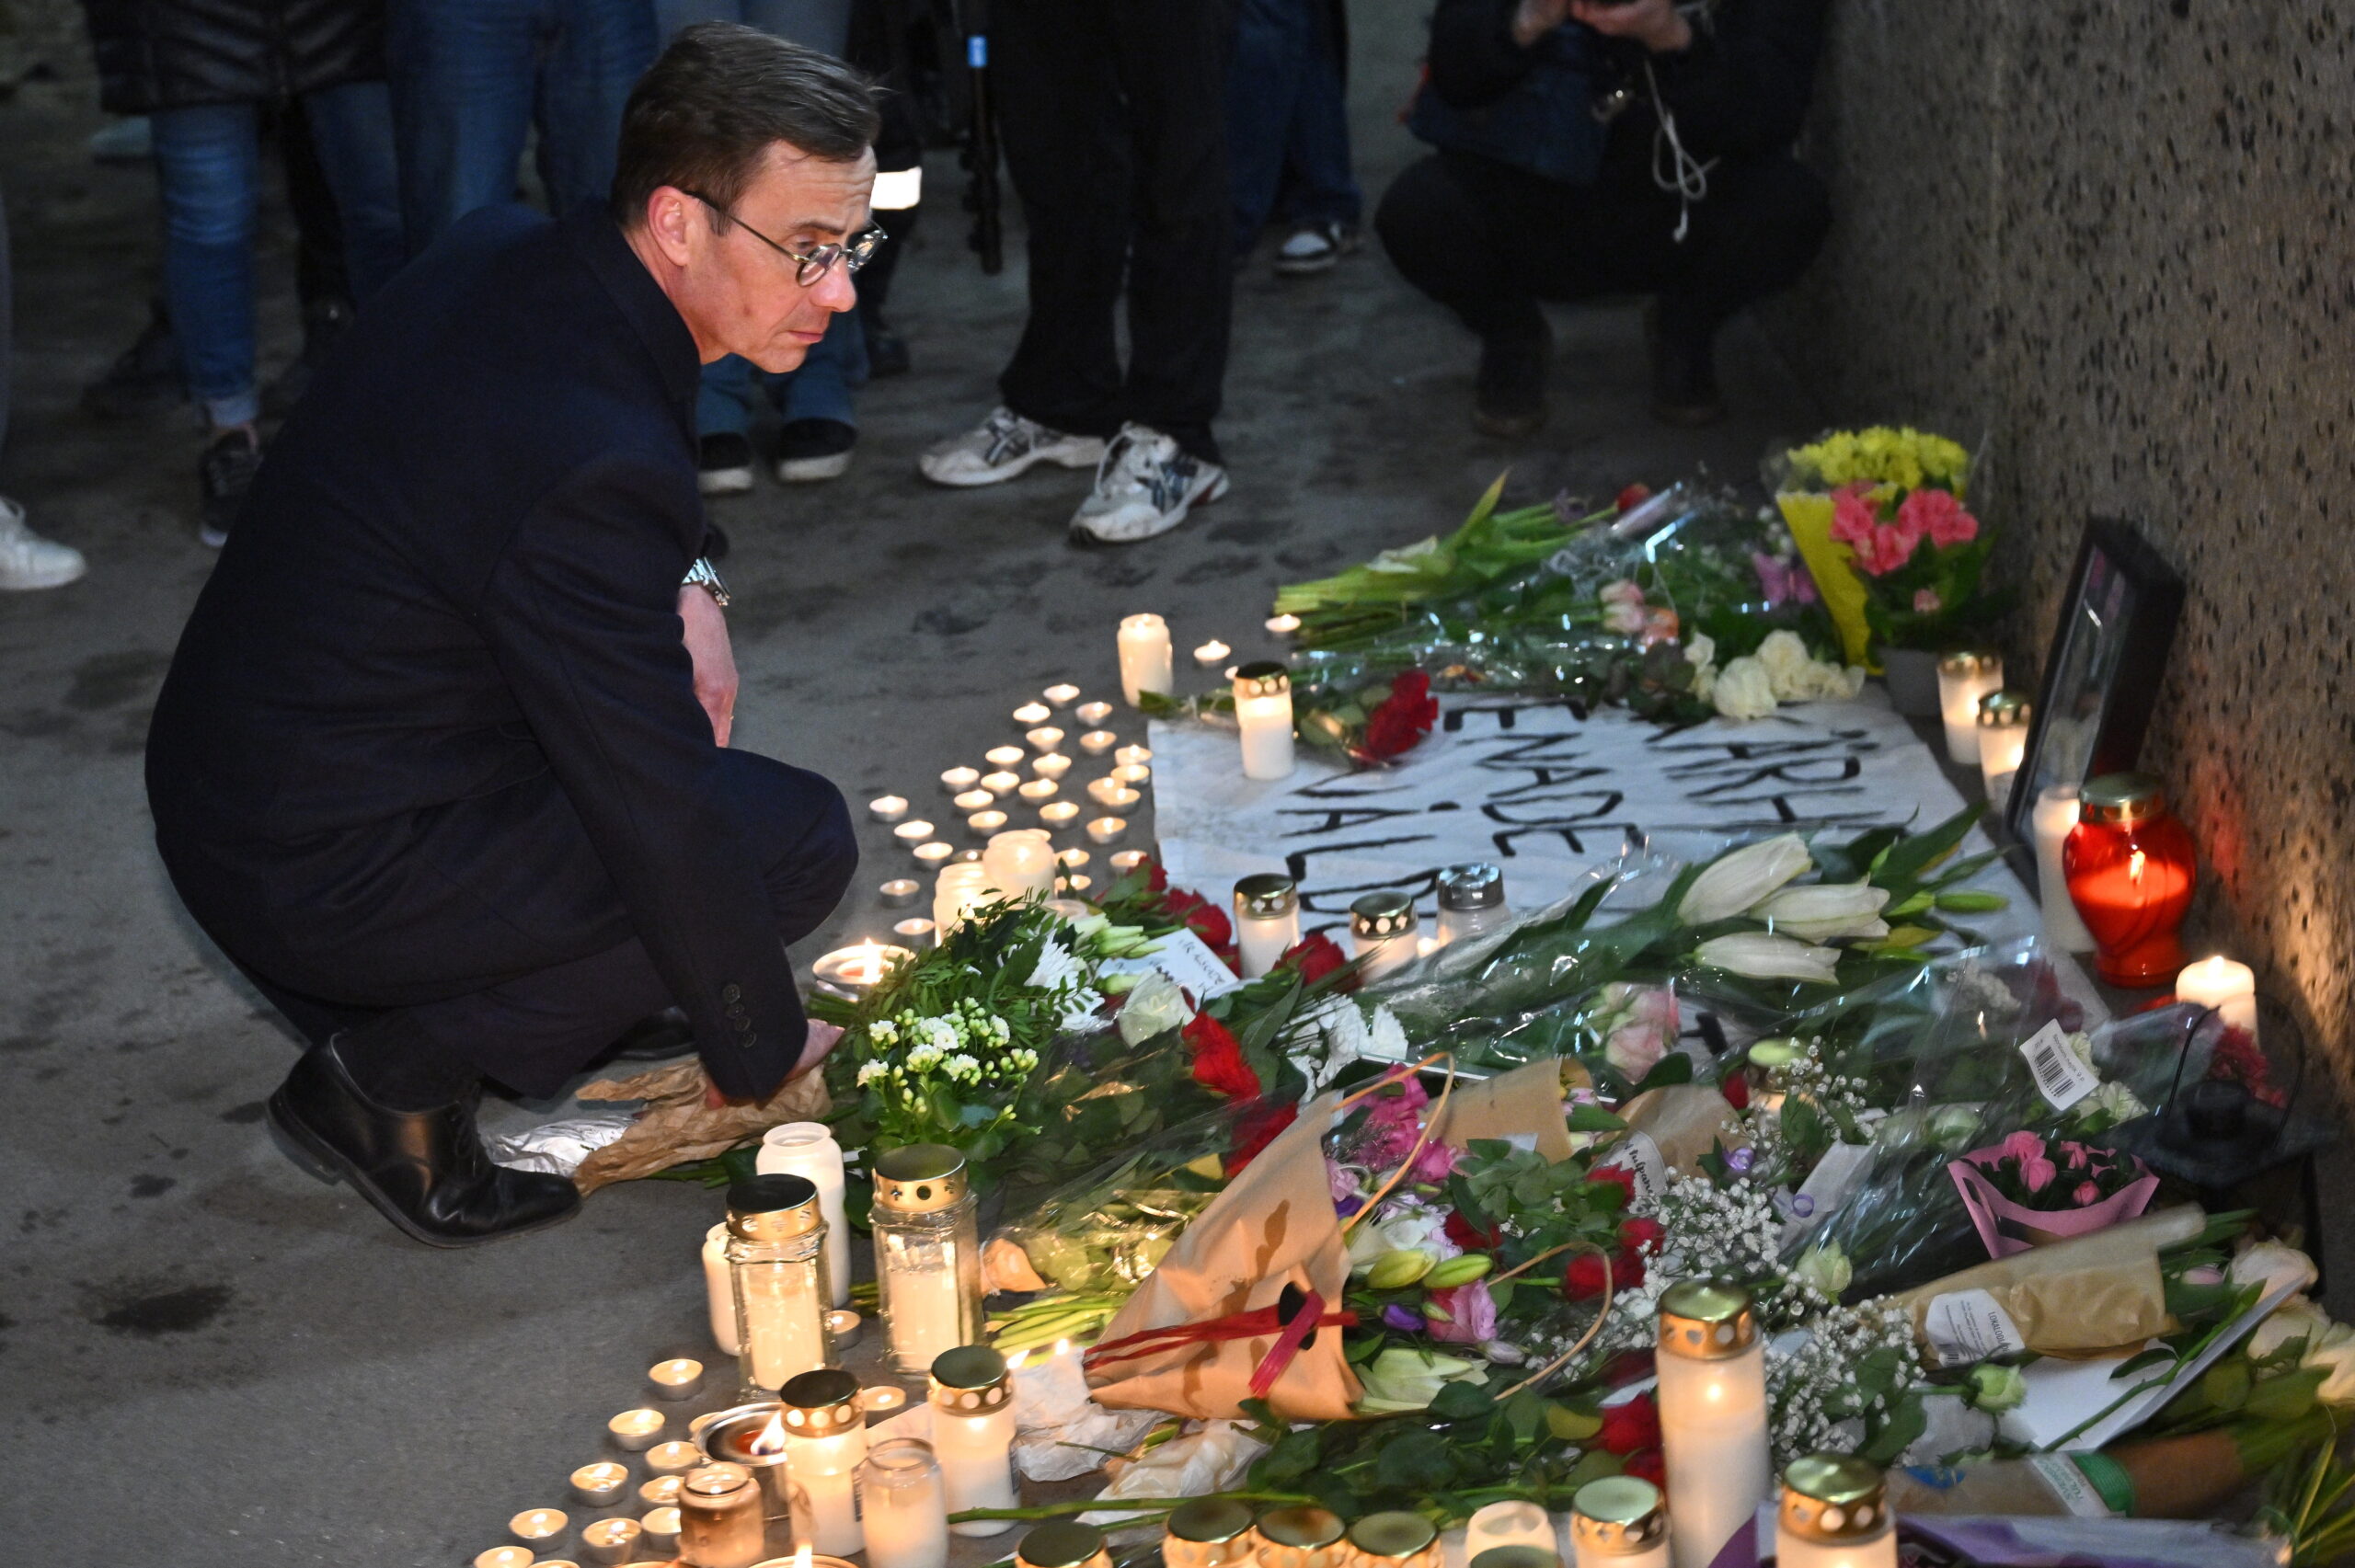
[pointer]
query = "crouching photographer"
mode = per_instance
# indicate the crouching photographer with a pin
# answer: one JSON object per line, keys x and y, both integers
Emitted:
{"x": 1587, "y": 148}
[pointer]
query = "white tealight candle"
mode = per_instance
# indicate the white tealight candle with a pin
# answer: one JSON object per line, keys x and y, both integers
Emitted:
{"x": 1001, "y": 782}
{"x": 930, "y": 855}
{"x": 2220, "y": 983}
{"x": 1108, "y": 830}
{"x": 1211, "y": 652}
{"x": 1120, "y": 797}
{"x": 974, "y": 800}
{"x": 1127, "y": 861}
{"x": 1509, "y": 1523}
{"x": 1092, "y": 713}
{"x": 913, "y": 831}
{"x": 719, "y": 1290}
{"x": 881, "y": 1399}
{"x": 955, "y": 780}
{"x": 506, "y": 1557}
{"x": 1059, "y": 813}
{"x": 1127, "y": 755}
{"x": 888, "y": 808}
{"x": 1038, "y": 790}
{"x": 676, "y": 1379}
{"x": 853, "y": 971}
{"x": 611, "y": 1541}
{"x": 1045, "y": 738}
{"x": 915, "y": 932}
{"x": 899, "y": 892}
{"x": 673, "y": 1457}
{"x": 1096, "y": 742}
{"x": 2055, "y": 815}
{"x": 1062, "y": 694}
{"x": 1131, "y": 774}
{"x": 633, "y": 1431}
{"x": 1283, "y": 625}
{"x": 1099, "y": 788}
{"x": 1052, "y": 765}
{"x": 984, "y": 823}
{"x": 599, "y": 1485}
{"x": 1074, "y": 858}
{"x": 1077, "y": 882}
{"x": 1004, "y": 756}
{"x": 1144, "y": 657}
{"x": 539, "y": 1529}
{"x": 1029, "y": 714}
{"x": 662, "y": 1492}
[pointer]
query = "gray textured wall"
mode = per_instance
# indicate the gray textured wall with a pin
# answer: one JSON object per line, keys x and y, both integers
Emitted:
{"x": 2114, "y": 236}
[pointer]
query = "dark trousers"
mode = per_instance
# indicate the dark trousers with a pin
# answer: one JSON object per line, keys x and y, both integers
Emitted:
{"x": 1490, "y": 241}
{"x": 1113, "y": 115}
{"x": 570, "y": 973}
{"x": 1287, "y": 120}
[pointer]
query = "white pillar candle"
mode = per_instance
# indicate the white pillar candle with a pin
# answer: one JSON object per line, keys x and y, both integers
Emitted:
{"x": 1098, "y": 742}
{"x": 1263, "y": 712}
{"x": 1267, "y": 921}
{"x": 1835, "y": 1513}
{"x": 1129, "y": 754}
{"x": 902, "y": 1507}
{"x": 1963, "y": 680}
{"x": 1211, "y": 652}
{"x": 1144, "y": 657}
{"x": 676, "y": 1379}
{"x": 2220, "y": 983}
{"x": 915, "y": 830}
{"x": 962, "y": 887}
{"x": 982, "y": 824}
{"x": 825, "y": 1441}
{"x": 971, "y": 1400}
{"x": 1004, "y": 756}
{"x": 1002, "y": 782}
{"x": 720, "y": 1291}
{"x": 2003, "y": 740}
{"x": 1059, "y": 813}
{"x": 2055, "y": 815}
{"x": 1029, "y": 714}
{"x": 633, "y": 1431}
{"x": 1062, "y": 694}
{"x": 1051, "y": 765}
{"x": 542, "y": 1529}
{"x": 955, "y": 780}
{"x": 888, "y": 808}
{"x": 599, "y": 1485}
{"x": 1021, "y": 862}
{"x": 1108, "y": 830}
{"x": 1509, "y": 1524}
{"x": 1283, "y": 625}
{"x": 975, "y": 799}
{"x": 1712, "y": 1396}
{"x": 808, "y": 1150}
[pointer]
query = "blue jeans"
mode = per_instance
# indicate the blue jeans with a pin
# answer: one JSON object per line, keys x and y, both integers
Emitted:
{"x": 1287, "y": 123}
{"x": 820, "y": 389}
{"x": 821, "y": 25}
{"x": 471, "y": 77}
{"x": 209, "y": 162}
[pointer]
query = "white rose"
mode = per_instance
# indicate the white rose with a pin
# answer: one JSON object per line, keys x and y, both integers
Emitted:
{"x": 1156, "y": 1004}
{"x": 1764, "y": 956}
{"x": 2334, "y": 1355}
{"x": 1825, "y": 912}
{"x": 1730, "y": 885}
{"x": 2296, "y": 1319}
{"x": 1702, "y": 649}
{"x": 1789, "y": 667}
{"x": 1743, "y": 690}
{"x": 2276, "y": 1265}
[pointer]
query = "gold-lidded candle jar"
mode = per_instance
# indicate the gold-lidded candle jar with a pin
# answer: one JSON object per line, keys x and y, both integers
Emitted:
{"x": 1712, "y": 1369}
{"x": 2003, "y": 740}
{"x": 1301, "y": 1535}
{"x": 1383, "y": 930}
{"x": 1263, "y": 718}
{"x": 1834, "y": 1514}
{"x": 1620, "y": 1521}
{"x": 927, "y": 1252}
{"x": 1208, "y": 1532}
{"x": 825, "y": 1432}
{"x": 972, "y": 1434}
{"x": 720, "y": 1519}
{"x": 1267, "y": 921}
{"x": 777, "y": 1258}
{"x": 1518, "y": 1556}
{"x": 1965, "y": 677}
{"x": 1062, "y": 1544}
{"x": 1393, "y": 1540}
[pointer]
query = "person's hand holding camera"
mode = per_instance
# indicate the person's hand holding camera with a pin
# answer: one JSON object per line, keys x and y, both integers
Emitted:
{"x": 1655, "y": 23}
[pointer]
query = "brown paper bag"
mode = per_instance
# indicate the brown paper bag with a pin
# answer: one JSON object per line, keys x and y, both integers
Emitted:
{"x": 677, "y": 1126}
{"x": 1684, "y": 1120}
{"x": 1527, "y": 1100}
{"x": 2083, "y": 1295}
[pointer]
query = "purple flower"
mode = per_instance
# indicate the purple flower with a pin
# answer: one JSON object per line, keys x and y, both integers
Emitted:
{"x": 1349, "y": 1205}
{"x": 1471, "y": 1314}
{"x": 1738, "y": 1161}
{"x": 1404, "y": 1318}
{"x": 1782, "y": 584}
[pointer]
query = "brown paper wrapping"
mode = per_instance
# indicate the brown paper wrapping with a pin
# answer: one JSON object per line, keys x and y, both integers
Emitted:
{"x": 677, "y": 1126}
{"x": 1527, "y": 1100}
{"x": 2089, "y": 1294}
{"x": 1684, "y": 1120}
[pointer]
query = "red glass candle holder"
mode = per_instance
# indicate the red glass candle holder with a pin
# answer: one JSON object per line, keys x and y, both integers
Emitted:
{"x": 2130, "y": 869}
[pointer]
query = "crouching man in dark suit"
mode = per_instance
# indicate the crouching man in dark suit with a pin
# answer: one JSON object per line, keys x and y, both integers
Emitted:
{"x": 442, "y": 760}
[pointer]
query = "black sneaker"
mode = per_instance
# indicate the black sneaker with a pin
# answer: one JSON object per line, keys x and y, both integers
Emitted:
{"x": 323, "y": 325}
{"x": 724, "y": 464}
{"x": 1684, "y": 375}
{"x": 226, "y": 474}
{"x": 1508, "y": 398}
{"x": 811, "y": 450}
{"x": 887, "y": 351}
{"x": 144, "y": 378}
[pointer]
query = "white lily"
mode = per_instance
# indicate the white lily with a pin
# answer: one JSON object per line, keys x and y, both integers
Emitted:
{"x": 1826, "y": 911}
{"x": 1403, "y": 1379}
{"x": 1734, "y": 882}
{"x": 1763, "y": 956}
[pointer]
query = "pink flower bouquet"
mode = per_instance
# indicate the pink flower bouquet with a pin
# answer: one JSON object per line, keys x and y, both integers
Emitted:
{"x": 2024, "y": 1192}
{"x": 1919, "y": 556}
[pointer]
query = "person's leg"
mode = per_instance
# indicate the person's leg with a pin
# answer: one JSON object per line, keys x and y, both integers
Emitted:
{"x": 1760, "y": 226}
{"x": 461, "y": 77}
{"x": 209, "y": 162}
{"x": 1324, "y": 187}
{"x": 320, "y": 277}
{"x": 1264, "y": 73}
{"x": 1171, "y": 57}
{"x": 818, "y": 402}
{"x": 596, "y": 53}
{"x": 352, "y": 127}
{"x": 723, "y": 416}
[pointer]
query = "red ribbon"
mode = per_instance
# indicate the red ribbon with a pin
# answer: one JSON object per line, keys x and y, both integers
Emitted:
{"x": 1306, "y": 1319}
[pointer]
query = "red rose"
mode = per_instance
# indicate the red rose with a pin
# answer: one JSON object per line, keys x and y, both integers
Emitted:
{"x": 1160, "y": 878}
{"x": 1462, "y": 1231}
{"x": 1583, "y": 1278}
{"x": 1616, "y": 1176}
{"x": 1256, "y": 1129}
{"x": 1209, "y": 922}
{"x": 1218, "y": 1063}
{"x": 1633, "y": 496}
{"x": 1316, "y": 956}
{"x": 1735, "y": 1087}
{"x": 1626, "y": 1269}
{"x": 1647, "y": 1465}
{"x": 1642, "y": 1237}
{"x": 1630, "y": 1426}
{"x": 1399, "y": 723}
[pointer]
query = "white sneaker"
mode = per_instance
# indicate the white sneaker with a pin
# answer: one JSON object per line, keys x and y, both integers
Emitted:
{"x": 1144, "y": 488}
{"x": 1314, "y": 248}
{"x": 1002, "y": 446}
{"x": 29, "y": 561}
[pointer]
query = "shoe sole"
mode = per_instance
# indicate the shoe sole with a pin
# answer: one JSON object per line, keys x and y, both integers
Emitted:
{"x": 1210, "y": 494}
{"x": 1306, "y": 268}
{"x": 724, "y": 481}
{"x": 811, "y": 470}
{"x": 1000, "y": 474}
{"x": 46, "y": 580}
{"x": 314, "y": 1155}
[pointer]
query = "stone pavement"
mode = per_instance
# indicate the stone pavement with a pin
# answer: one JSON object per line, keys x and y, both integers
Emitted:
{"x": 209, "y": 1359}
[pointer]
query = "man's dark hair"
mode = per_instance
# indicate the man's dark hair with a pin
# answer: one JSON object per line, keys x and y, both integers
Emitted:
{"x": 705, "y": 114}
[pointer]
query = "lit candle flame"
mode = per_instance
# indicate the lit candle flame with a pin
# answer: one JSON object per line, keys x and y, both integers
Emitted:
{"x": 772, "y": 1441}
{"x": 2134, "y": 864}
{"x": 802, "y": 1556}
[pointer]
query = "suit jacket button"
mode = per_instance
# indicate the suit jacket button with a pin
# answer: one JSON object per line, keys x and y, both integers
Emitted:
{"x": 750, "y": 1041}
{"x": 732, "y": 993}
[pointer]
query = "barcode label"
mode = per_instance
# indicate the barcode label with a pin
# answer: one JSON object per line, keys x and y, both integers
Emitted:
{"x": 2061, "y": 1077}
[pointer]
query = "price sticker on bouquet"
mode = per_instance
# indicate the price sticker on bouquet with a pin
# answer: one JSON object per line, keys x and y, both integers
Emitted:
{"x": 2062, "y": 1076}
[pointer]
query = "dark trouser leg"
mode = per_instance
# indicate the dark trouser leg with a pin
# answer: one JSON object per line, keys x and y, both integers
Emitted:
{"x": 1762, "y": 223}
{"x": 1465, "y": 231}
{"x": 1067, "y": 150}
{"x": 1324, "y": 187}
{"x": 1264, "y": 81}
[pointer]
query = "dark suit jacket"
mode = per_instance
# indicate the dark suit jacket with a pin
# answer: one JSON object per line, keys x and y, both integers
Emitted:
{"x": 431, "y": 725}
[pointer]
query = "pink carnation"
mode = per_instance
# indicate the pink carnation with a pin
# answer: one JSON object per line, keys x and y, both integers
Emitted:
{"x": 2086, "y": 1193}
{"x": 2020, "y": 1146}
{"x": 2037, "y": 1175}
{"x": 1927, "y": 601}
{"x": 1471, "y": 1314}
{"x": 1937, "y": 514}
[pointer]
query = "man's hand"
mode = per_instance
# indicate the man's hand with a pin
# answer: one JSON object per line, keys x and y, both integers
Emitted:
{"x": 1655, "y": 23}
{"x": 714, "y": 661}
{"x": 823, "y": 1038}
{"x": 1533, "y": 19}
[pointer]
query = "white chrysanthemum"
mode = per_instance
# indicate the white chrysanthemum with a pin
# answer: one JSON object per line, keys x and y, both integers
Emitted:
{"x": 1387, "y": 1040}
{"x": 869, "y": 1071}
{"x": 1056, "y": 970}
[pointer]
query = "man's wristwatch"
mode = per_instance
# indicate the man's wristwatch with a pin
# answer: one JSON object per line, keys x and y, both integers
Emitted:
{"x": 703, "y": 574}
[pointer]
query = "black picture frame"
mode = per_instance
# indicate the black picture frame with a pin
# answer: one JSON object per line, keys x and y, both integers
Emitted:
{"x": 2102, "y": 671}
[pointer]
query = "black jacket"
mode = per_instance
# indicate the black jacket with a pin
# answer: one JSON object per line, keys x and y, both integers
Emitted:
{"x": 434, "y": 695}
{"x": 156, "y": 54}
{"x": 1740, "y": 91}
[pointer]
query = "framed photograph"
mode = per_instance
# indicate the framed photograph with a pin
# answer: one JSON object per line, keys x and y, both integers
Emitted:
{"x": 2102, "y": 675}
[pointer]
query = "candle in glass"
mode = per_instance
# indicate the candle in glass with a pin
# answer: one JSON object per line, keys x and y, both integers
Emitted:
{"x": 1302, "y": 1536}
{"x": 972, "y": 1434}
{"x": 2229, "y": 988}
{"x": 1062, "y": 1544}
{"x": 962, "y": 887}
{"x": 776, "y": 1251}
{"x": 1963, "y": 680}
{"x": 1144, "y": 657}
{"x": 1030, "y": 714}
{"x": 542, "y": 1529}
{"x": 808, "y": 1150}
{"x": 1619, "y": 1522}
{"x": 1471, "y": 902}
{"x": 1513, "y": 1523}
{"x": 718, "y": 1288}
{"x": 1098, "y": 742}
{"x": 1211, "y": 653}
{"x": 599, "y": 1485}
{"x": 901, "y": 1507}
{"x": 720, "y": 1520}
{"x": 1052, "y": 765}
{"x": 1062, "y": 694}
{"x": 2054, "y": 817}
{"x": 1834, "y": 1514}
{"x": 1018, "y": 863}
{"x": 825, "y": 1439}
{"x": 1382, "y": 931}
{"x": 1263, "y": 712}
{"x": 1712, "y": 1368}
{"x": 633, "y": 1431}
{"x": 927, "y": 1253}
{"x": 2003, "y": 740}
{"x": 1001, "y": 782}
{"x": 1267, "y": 921}
{"x": 611, "y": 1541}
{"x": 2130, "y": 869}
{"x": 1393, "y": 1540}
{"x": 1059, "y": 813}
{"x": 957, "y": 781}
{"x": 1208, "y": 1532}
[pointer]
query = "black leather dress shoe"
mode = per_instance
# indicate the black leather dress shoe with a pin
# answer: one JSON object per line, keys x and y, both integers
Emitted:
{"x": 425, "y": 1171}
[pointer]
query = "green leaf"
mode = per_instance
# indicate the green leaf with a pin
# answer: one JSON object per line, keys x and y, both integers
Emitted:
{"x": 1295, "y": 1454}
{"x": 1570, "y": 1426}
{"x": 2155, "y": 1356}
{"x": 1524, "y": 1414}
{"x": 1594, "y": 1466}
{"x": 1416, "y": 1460}
{"x": 1461, "y": 1402}
{"x": 1590, "y": 1118}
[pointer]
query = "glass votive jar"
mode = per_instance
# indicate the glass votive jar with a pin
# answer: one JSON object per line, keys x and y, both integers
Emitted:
{"x": 2003, "y": 740}
{"x": 1302, "y": 1536}
{"x": 1208, "y": 1532}
{"x": 2131, "y": 870}
{"x": 1393, "y": 1540}
{"x": 1834, "y": 1514}
{"x": 902, "y": 1507}
{"x": 1514, "y": 1522}
{"x": 1062, "y": 1544}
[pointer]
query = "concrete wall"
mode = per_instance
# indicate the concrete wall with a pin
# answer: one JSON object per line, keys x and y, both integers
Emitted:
{"x": 2114, "y": 236}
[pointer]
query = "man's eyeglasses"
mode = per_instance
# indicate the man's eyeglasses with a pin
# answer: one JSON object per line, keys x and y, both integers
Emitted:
{"x": 852, "y": 253}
